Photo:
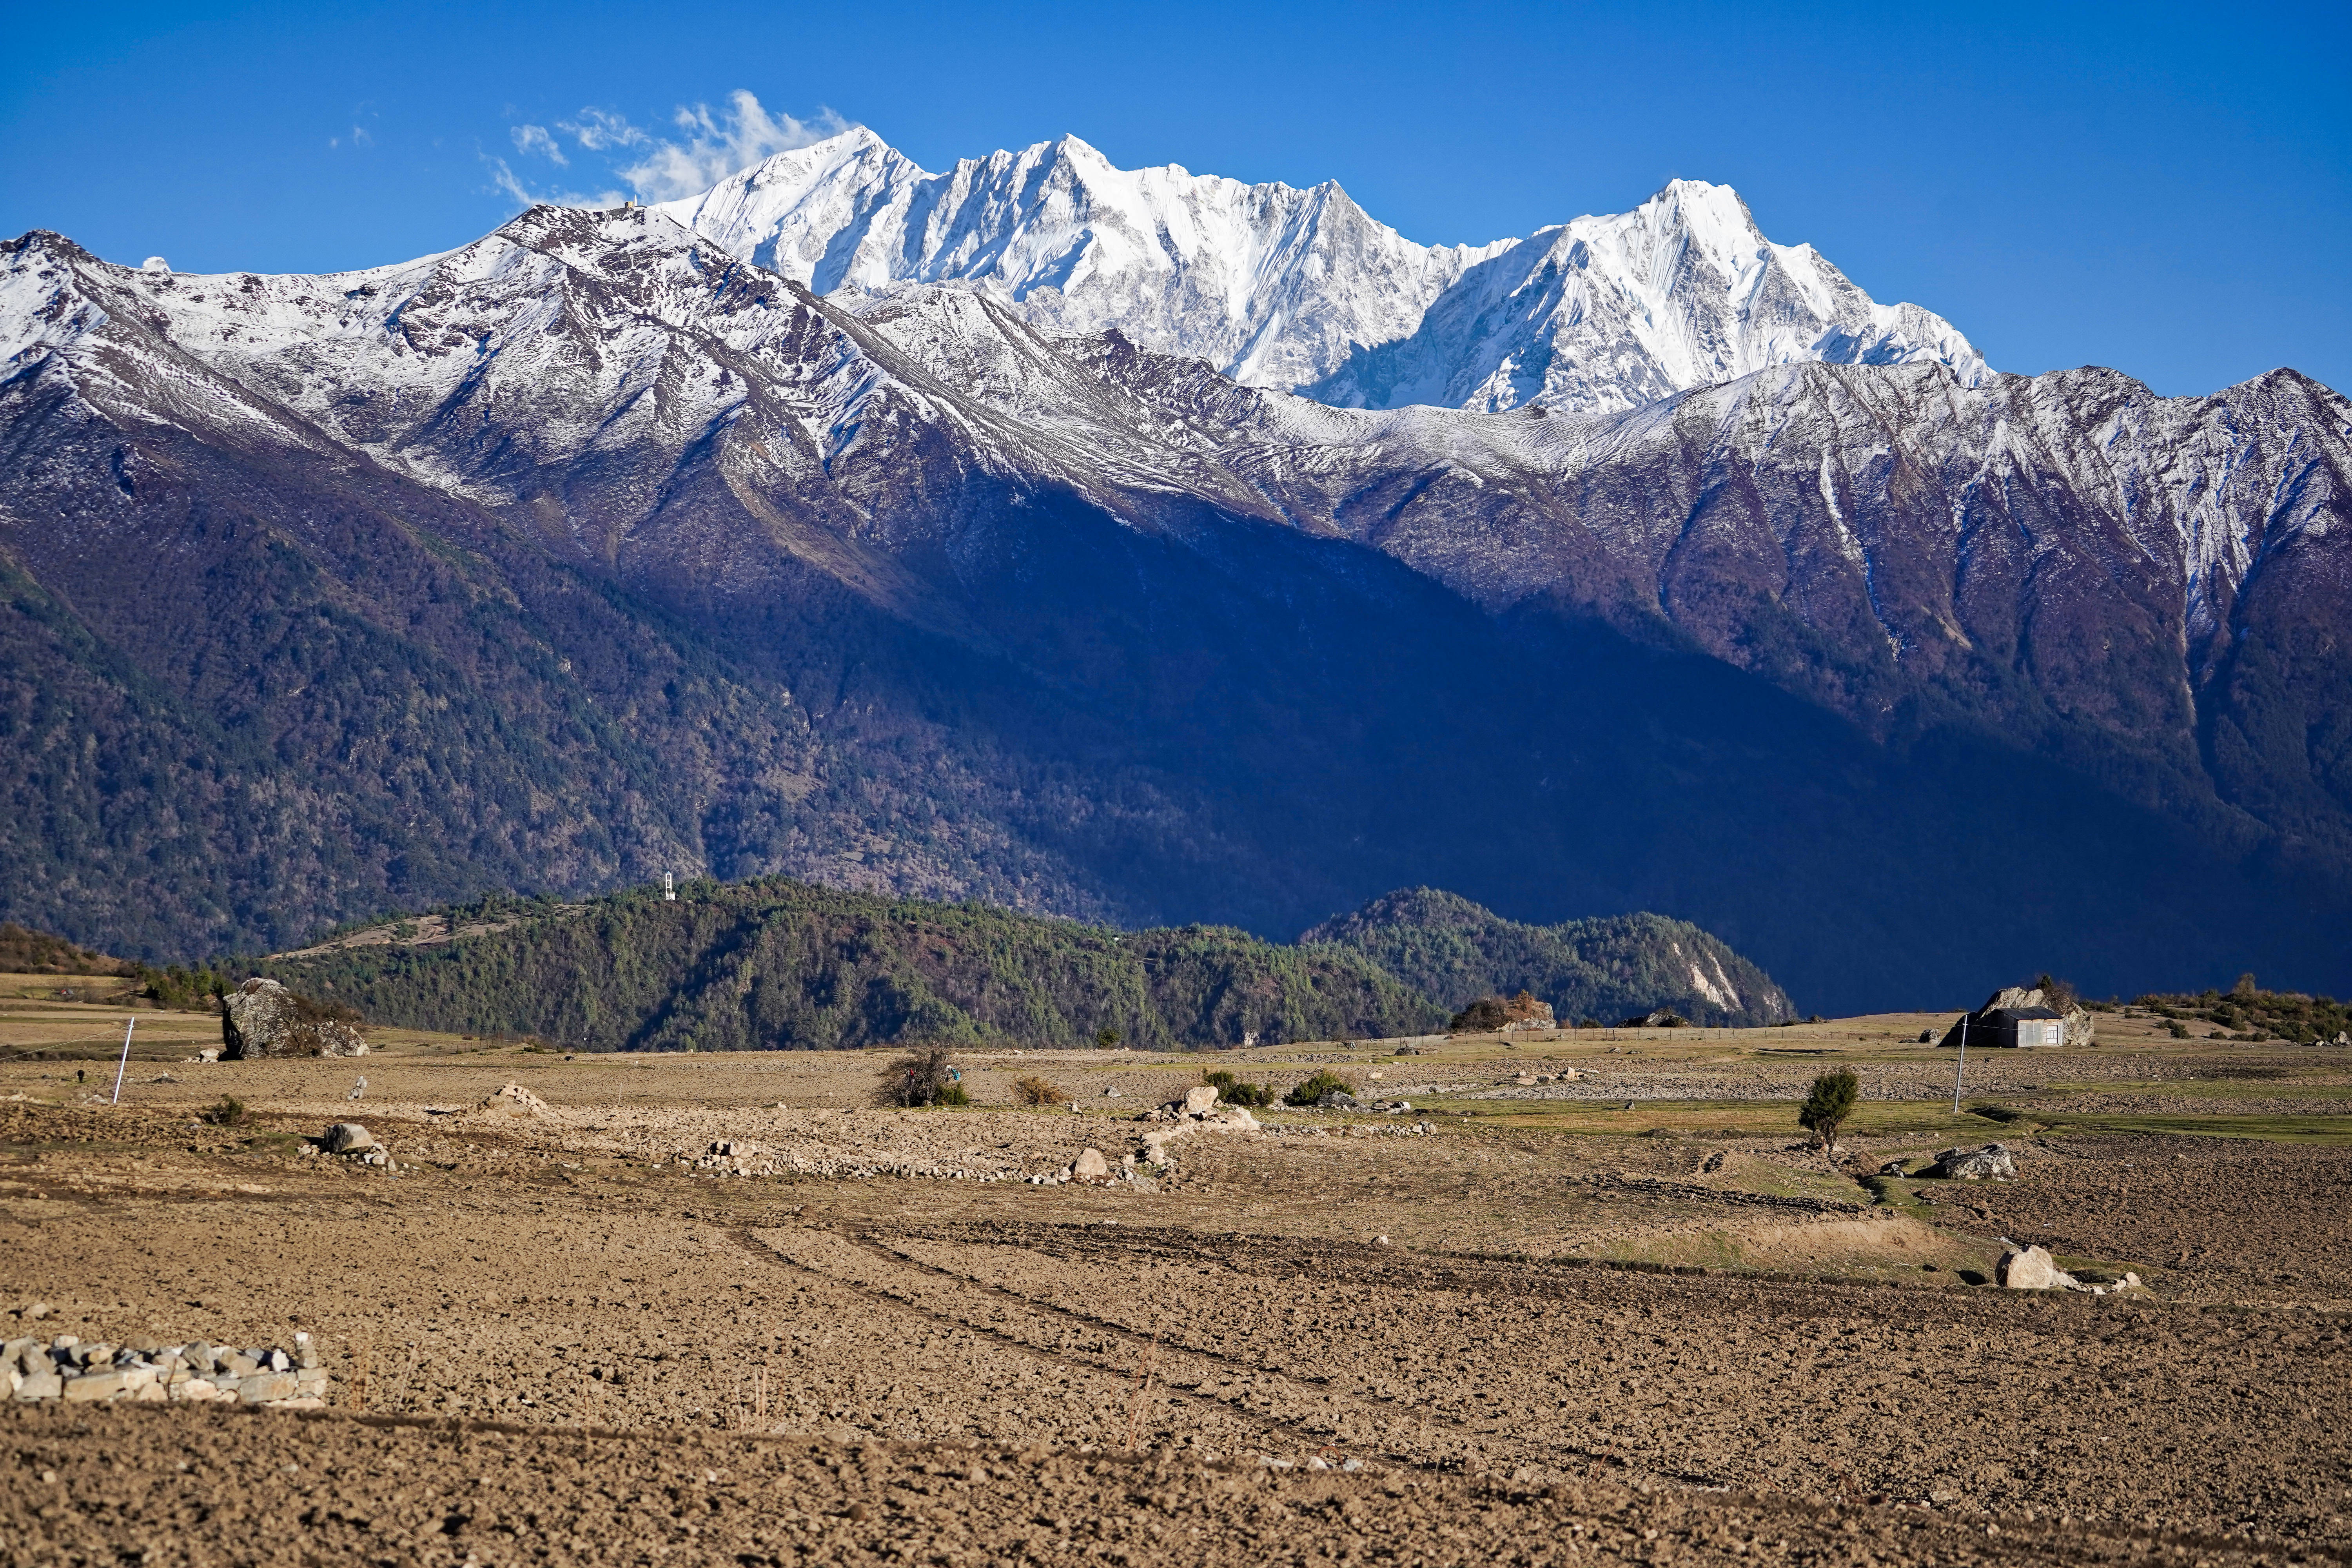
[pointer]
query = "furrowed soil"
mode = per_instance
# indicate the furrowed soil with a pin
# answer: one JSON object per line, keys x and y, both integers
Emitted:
{"x": 1518, "y": 1323}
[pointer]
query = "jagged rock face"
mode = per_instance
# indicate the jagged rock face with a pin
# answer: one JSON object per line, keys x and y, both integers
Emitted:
{"x": 590, "y": 550}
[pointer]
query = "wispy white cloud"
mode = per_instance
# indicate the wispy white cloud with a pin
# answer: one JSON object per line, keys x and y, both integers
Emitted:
{"x": 535, "y": 138}
{"x": 709, "y": 146}
{"x": 600, "y": 132}
{"x": 358, "y": 135}
{"x": 504, "y": 178}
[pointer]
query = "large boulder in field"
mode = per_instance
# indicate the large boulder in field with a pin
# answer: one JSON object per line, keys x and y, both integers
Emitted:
{"x": 263, "y": 1019}
{"x": 347, "y": 1137}
{"x": 2031, "y": 1269}
{"x": 1992, "y": 1163}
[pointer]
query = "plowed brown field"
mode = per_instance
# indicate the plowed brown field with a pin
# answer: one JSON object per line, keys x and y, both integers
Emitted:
{"x": 1531, "y": 1335}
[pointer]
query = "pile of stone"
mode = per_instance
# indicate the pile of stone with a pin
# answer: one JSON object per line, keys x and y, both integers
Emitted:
{"x": 1528, "y": 1077}
{"x": 350, "y": 1141}
{"x": 733, "y": 1157}
{"x": 512, "y": 1102}
{"x": 2033, "y": 1268}
{"x": 729, "y": 1157}
{"x": 67, "y": 1369}
{"x": 1198, "y": 1111}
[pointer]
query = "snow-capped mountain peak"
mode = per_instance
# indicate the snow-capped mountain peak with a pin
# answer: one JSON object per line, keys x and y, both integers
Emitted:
{"x": 1301, "y": 289}
{"x": 1273, "y": 285}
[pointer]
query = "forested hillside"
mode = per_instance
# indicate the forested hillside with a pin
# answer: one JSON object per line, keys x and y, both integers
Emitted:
{"x": 779, "y": 965}
{"x": 1454, "y": 950}
{"x": 774, "y": 963}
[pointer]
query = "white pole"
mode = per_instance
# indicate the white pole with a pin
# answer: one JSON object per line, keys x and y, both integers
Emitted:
{"x": 1964, "y": 1064}
{"x": 129, "y": 1025}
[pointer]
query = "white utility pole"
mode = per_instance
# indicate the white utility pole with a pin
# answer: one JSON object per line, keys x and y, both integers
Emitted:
{"x": 669, "y": 891}
{"x": 129, "y": 1025}
{"x": 1964, "y": 1064}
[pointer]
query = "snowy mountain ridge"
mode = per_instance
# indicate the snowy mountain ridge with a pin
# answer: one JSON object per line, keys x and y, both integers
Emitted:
{"x": 589, "y": 545}
{"x": 1302, "y": 290}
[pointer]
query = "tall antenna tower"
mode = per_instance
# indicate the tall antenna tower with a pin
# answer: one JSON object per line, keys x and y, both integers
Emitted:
{"x": 669, "y": 890}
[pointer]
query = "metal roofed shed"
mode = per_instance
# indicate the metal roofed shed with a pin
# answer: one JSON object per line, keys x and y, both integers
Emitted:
{"x": 2025, "y": 1029}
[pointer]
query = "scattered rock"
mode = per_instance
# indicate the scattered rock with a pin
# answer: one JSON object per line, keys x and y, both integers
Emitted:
{"x": 1090, "y": 1165}
{"x": 1199, "y": 1100}
{"x": 262, "y": 1018}
{"x": 1993, "y": 1161}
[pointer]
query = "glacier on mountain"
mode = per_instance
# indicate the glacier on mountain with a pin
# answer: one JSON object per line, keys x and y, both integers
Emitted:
{"x": 1302, "y": 290}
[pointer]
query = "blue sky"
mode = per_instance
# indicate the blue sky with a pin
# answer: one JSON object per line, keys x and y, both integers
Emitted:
{"x": 2164, "y": 190}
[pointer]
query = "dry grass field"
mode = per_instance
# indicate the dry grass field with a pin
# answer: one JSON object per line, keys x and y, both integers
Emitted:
{"x": 1627, "y": 1315}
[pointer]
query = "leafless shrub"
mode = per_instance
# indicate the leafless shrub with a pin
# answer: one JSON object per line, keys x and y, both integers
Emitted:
{"x": 1037, "y": 1092}
{"x": 919, "y": 1078}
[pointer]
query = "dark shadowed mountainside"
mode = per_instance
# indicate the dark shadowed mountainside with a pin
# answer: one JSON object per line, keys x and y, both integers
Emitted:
{"x": 1454, "y": 952}
{"x": 588, "y": 551}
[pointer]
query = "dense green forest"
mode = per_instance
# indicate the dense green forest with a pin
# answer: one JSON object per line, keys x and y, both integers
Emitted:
{"x": 1450, "y": 949}
{"x": 776, "y": 963}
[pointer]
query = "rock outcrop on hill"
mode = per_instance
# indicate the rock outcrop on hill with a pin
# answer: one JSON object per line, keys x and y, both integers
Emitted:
{"x": 1600, "y": 969}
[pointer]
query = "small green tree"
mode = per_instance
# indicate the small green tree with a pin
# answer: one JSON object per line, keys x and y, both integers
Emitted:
{"x": 1107, "y": 1038}
{"x": 1831, "y": 1102}
{"x": 1325, "y": 1081}
{"x": 1233, "y": 1091}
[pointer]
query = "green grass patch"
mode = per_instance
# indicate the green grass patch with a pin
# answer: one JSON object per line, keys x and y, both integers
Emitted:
{"x": 2267, "y": 1129}
{"x": 275, "y": 1143}
{"x": 1895, "y": 1192}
